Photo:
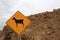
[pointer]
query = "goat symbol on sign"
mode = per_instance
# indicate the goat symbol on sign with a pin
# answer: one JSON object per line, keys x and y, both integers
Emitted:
{"x": 20, "y": 21}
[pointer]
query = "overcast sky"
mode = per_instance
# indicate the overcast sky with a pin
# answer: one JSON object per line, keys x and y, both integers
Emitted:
{"x": 27, "y": 7}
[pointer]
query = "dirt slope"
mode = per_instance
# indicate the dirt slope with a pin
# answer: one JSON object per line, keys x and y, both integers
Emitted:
{"x": 43, "y": 26}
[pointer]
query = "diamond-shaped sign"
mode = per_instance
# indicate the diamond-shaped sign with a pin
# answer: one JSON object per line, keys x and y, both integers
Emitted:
{"x": 18, "y": 22}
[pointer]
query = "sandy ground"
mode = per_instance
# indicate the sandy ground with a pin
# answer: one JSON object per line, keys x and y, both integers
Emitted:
{"x": 43, "y": 26}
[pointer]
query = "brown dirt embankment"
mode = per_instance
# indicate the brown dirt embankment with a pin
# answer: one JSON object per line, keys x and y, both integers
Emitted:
{"x": 43, "y": 26}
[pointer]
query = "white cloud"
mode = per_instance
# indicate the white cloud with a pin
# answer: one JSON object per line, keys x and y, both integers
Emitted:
{"x": 27, "y": 7}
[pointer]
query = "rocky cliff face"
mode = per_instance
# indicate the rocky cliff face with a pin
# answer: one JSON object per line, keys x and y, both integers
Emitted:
{"x": 43, "y": 26}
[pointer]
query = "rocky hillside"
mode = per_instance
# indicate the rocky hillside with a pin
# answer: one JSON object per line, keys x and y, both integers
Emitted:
{"x": 43, "y": 26}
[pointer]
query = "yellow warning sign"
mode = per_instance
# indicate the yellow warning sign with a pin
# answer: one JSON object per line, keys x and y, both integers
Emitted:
{"x": 18, "y": 22}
